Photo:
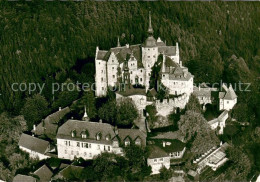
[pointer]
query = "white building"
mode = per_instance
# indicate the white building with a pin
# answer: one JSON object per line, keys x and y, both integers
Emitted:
{"x": 36, "y": 147}
{"x": 227, "y": 99}
{"x": 158, "y": 159}
{"x": 220, "y": 122}
{"x": 133, "y": 64}
{"x": 88, "y": 139}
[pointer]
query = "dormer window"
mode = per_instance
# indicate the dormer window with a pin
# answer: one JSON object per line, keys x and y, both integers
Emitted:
{"x": 73, "y": 133}
{"x": 84, "y": 134}
{"x": 108, "y": 137}
{"x": 138, "y": 141}
{"x": 99, "y": 136}
{"x": 127, "y": 141}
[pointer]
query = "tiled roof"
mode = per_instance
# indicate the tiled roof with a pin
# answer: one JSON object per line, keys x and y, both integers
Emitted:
{"x": 133, "y": 134}
{"x": 170, "y": 145}
{"x": 23, "y": 178}
{"x": 101, "y": 54}
{"x": 150, "y": 42}
{"x": 156, "y": 152}
{"x": 33, "y": 143}
{"x": 169, "y": 135}
{"x": 167, "y": 50}
{"x": 93, "y": 129}
{"x": 44, "y": 173}
{"x": 49, "y": 125}
{"x": 57, "y": 116}
{"x": 205, "y": 92}
{"x": 230, "y": 95}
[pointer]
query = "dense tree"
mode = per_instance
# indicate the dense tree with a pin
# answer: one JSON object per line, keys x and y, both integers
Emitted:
{"x": 126, "y": 113}
{"x": 88, "y": 100}
{"x": 34, "y": 109}
{"x": 196, "y": 130}
{"x": 193, "y": 104}
{"x": 121, "y": 113}
{"x": 241, "y": 165}
{"x": 68, "y": 92}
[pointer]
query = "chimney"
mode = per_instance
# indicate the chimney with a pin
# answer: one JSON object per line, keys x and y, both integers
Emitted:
{"x": 127, "y": 45}
{"x": 199, "y": 86}
{"x": 163, "y": 143}
{"x": 59, "y": 108}
{"x": 34, "y": 128}
{"x": 100, "y": 121}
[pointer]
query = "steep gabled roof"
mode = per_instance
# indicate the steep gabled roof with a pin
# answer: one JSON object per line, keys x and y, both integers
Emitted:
{"x": 170, "y": 135}
{"x": 93, "y": 129}
{"x": 33, "y": 143}
{"x": 230, "y": 95}
{"x": 133, "y": 134}
{"x": 156, "y": 152}
{"x": 24, "y": 178}
{"x": 44, "y": 173}
{"x": 167, "y": 50}
{"x": 170, "y": 145}
{"x": 101, "y": 54}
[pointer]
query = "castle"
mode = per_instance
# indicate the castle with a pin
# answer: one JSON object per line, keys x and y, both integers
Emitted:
{"x": 132, "y": 64}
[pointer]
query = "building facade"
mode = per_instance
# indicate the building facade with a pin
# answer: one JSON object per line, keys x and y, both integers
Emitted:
{"x": 133, "y": 64}
{"x": 86, "y": 139}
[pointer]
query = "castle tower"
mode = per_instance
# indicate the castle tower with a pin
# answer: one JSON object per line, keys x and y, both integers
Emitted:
{"x": 149, "y": 53}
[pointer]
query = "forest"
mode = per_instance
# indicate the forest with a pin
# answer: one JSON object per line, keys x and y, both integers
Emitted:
{"x": 55, "y": 42}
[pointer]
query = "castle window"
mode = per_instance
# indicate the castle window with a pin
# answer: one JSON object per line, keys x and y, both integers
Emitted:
{"x": 148, "y": 65}
{"x": 98, "y": 147}
{"x": 154, "y": 56}
{"x": 161, "y": 159}
{"x": 90, "y": 154}
{"x": 102, "y": 88}
{"x": 65, "y": 151}
{"x": 112, "y": 67}
{"x": 102, "y": 71}
{"x": 77, "y": 152}
{"x": 141, "y": 71}
{"x": 148, "y": 49}
{"x": 72, "y": 152}
{"x": 131, "y": 81}
{"x": 114, "y": 76}
{"x": 98, "y": 62}
{"x": 163, "y": 75}
{"x": 108, "y": 148}
{"x": 112, "y": 60}
{"x": 131, "y": 72}
{"x": 148, "y": 56}
{"x": 85, "y": 153}
{"x": 102, "y": 79}
{"x": 227, "y": 102}
{"x": 155, "y": 160}
{"x": 141, "y": 79}
{"x": 78, "y": 144}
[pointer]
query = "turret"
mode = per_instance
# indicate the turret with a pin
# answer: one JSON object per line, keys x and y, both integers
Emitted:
{"x": 150, "y": 28}
{"x": 85, "y": 116}
{"x": 118, "y": 42}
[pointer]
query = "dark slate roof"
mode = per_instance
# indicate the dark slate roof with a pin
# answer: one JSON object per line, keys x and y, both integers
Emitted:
{"x": 49, "y": 125}
{"x": 93, "y": 129}
{"x": 133, "y": 134}
{"x": 57, "y": 116}
{"x": 33, "y": 143}
{"x": 167, "y": 50}
{"x": 156, "y": 152}
{"x": 132, "y": 91}
{"x": 174, "y": 145}
{"x": 101, "y": 54}
{"x": 160, "y": 43}
{"x": 23, "y": 178}
{"x": 170, "y": 63}
{"x": 169, "y": 135}
{"x": 44, "y": 173}
{"x": 205, "y": 92}
{"x": 150, "y": 42}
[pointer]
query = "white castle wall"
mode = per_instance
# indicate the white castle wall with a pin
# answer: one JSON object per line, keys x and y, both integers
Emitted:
{"x": 112, "y": 66}
{"x": 178, "y": 87}
{"x": 149, "y": 57}
{"x": 165, "y": 107}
